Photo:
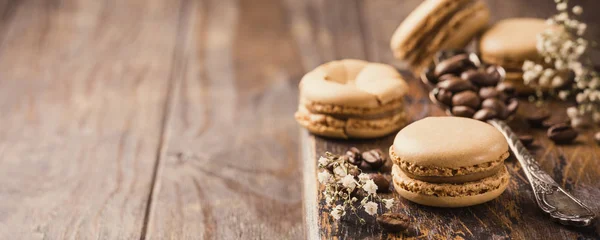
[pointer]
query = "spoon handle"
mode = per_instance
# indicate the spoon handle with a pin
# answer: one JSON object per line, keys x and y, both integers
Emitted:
{"x": 550, "y": 197}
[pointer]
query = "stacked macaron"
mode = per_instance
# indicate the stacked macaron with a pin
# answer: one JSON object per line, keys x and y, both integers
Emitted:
{"x": 509, "y": 43}
{"x": 435, "y": 25}
{"x": 449, "y": 162}
{"x": 352, "y": 99}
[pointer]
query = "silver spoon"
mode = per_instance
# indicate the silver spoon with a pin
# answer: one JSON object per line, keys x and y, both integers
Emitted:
{"x": 550, "y": 197}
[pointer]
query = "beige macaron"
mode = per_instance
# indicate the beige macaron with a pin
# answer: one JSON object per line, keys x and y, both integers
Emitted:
{"x": 449, "y": 162}
{"x": 435, "y": 25}
{"x": 352, "y": 99}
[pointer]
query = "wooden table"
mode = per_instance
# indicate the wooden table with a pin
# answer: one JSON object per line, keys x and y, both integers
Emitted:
{"x": 172, "y": 119}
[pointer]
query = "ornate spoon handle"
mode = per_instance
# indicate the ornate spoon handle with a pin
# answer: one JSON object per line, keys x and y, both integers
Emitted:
{"x": 550, "y": 197}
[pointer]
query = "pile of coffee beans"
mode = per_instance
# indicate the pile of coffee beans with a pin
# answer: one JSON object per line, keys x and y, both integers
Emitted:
{"x": 372, "y": 162}
{"x": 560, "y": 132}
{"x": 471, "y": 91}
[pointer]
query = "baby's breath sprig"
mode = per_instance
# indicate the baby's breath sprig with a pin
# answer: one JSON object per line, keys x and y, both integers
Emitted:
{"x": 345, "y": 186}
{"x": 566, "y": 62}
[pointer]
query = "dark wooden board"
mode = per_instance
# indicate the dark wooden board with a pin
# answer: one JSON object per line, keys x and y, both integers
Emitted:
{"x": 514, "y": 214}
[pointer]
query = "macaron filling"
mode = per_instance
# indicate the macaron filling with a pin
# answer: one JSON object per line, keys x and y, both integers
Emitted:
{"x": 481, "y": 186}
{"x": 446, "y": 174}
{"x": 344, "y": 112}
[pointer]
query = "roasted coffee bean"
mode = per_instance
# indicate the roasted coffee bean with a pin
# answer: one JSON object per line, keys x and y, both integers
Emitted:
{"x": 466, "y": 98}
{"x": 597, "y": 137}
{"x": 393, "y": 222}
{"x": 527, "y": 140}
{"x": 443, "y": 55}
{"x": 365, "y": 167}
{"x": 387, "y": 167}
{"x": 354, "y": 156}
{"x": 478, "y": 78}
{"x": 562, "y": 133}
{"x": 507, "y": 88}
{"x": 463, "y": 111}
{"x": 493, "y": 75}
{"x": 536, "y": 117}
{"x": 485, "y": 114}
{"x": 374, "y": 157}
{"x": 453, "y": 65}
{"x": 495, "y": 104}
{"x": 383, "y": 184}
{"x": 444, "y": 96}
{"x": 446, "y": 77}
{"x": 488, "y": 92}
{"x": 512, "y": 106}
{"x": 455, "y": 85}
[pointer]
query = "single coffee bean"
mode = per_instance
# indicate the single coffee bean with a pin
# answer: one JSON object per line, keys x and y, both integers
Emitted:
{"x": 513, "y": 105}
{"x": 393, "y": 222}
{"x": 527, "y": 140}
{"x": 496, "y": 105}
{"x": 443, "y": 55}
{"x": 562, "y": 133}
{"x": 453, "y": 65}
{"x": 353, "y": 155}
{"x": 493, "y": 75}
{"x": 536, "y": 117}
{"x": 463, "y": 111}
{"x": 446, "y": 77}
{"x": 455, "y": 85}
{"x": 383, "y": 185}
{"x": 466, "y": 98}
{"x": 365, "y": 167}
{"x": 488, "y": 92}
{"x": 485, "y": 114}
{"x": 507, "y": 88}
{"x": 374, "y": 157}
{"x": 597, "y": 137}
{"x": 477, "y": 78}
{"x": 444, "y": 96}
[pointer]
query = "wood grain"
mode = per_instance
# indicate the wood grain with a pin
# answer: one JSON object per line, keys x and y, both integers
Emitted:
{"x": 231, "y": 168}
{"x": 514, "y": 214}
{"x": 82, "y": 101}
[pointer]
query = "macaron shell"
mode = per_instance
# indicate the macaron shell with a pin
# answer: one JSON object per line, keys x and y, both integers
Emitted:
{"x": 353, "y": 83}
{"x": 449, "y": 142}
{"x": 447, "y": 201}
{"x": 421, "y": 20}
{"x": 512, "y": 41}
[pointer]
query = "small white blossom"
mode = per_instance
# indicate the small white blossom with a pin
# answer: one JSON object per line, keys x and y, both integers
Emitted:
{"x": 339, "y": 171}
{"x": 389, "y": 203}
{"x": 577, "y": 10}
{"x": 324, "y": 177}
{"x": 348, "y": 182}
{"x": 528, "y": 65}
{"x": 561, "y": 17}
{"x": 323, "y": 161}
{"x": 370, "y": 187}
{"x": 557, "y": 82}
{"x": 328, "y": 199}
{"x": 370, "y": 208}
{"x": 549, "y": 72}
{"x": 559, "y": 65}
{"x": 363, "y": 177}
{"x": 563, "y": 95}
{"x": 337, "y": 212}
{"x": 581, "y": 29}
{"x": 538, "y": 68}
{"x": 561, "y": 6}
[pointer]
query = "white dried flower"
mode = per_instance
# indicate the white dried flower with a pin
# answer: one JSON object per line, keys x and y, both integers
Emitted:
{"x": 324, "y": 177}
{"x": 581, "y": 97}
{"x": 370, "y": 187}
{"x": 389, "y": 203}
{"x": 362, "y": 178}
{"x": 339, "y": 171}
{"x": 538, "y": 68}
{"x": 557, "y": 81}
{"x": 323, "y": 161}
{"x": 559, "y": 65}
{"x": 348, "y": 182}
{"x": 561, "y": 17}
{"x": 581, "y": 29}
{"x": 337, "y": 212}
{"x": 561, "y": 6}
{"x": 564, "y": 95}
{"x": 549, "y": 72}
{"x": 370, "y": 208}
{"x": 577, "y": 10}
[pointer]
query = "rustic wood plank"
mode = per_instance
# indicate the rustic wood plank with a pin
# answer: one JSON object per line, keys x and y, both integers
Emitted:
{"x": 231, "y": 169}
{"x": 514, "y": 214}
{"x": 82, "y": 95}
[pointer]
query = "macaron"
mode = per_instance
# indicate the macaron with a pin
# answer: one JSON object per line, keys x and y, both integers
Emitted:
{"x": 509, "y": 43}
{"x": 436, "y": 25}
{"x": 352, "y": 99}
{"x": 449, "y": 162}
